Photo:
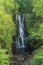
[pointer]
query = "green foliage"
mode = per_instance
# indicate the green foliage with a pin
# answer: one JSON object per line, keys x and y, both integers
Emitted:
{"x": 38, "y": 7}
{"x": 9, "y": 6}
{"x": 38, "y": 57}
{"x": 37, "y": 62}
{"x": 25, "y": 6}
{"x": 4, "y": 58}
{"x": 34, "y": 25}
{"x": 7, "y": 26}
{"x": 7, "y": 30}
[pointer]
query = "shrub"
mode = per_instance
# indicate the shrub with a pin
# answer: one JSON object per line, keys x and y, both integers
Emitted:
{"x": 38, "y": 57}
{"x": 7, "y": 30}
{"x": 4, "y": 58}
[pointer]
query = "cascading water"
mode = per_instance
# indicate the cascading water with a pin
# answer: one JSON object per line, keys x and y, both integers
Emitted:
{"x": 21, "y": 49}
{"x": 20, "y": 46}
{"x": 21, "y": 34}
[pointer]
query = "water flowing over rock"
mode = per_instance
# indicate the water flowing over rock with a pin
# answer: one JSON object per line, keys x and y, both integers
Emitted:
{"x": 20, "y": 41}
{"x": 20, "y": 45}
{"x": 21, "y": 49}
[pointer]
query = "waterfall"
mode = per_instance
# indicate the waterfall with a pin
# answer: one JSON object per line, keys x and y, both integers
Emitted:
{"x": 20, "y": 41}
{"x": 20, "y": 48}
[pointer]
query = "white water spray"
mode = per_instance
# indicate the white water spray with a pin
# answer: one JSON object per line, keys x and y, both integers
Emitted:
{"x": 21, "y": 36}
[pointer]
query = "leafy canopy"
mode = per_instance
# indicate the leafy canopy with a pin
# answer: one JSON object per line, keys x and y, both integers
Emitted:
{"x": 38, "y": 7}
{"x": 7, "y": 26}
{"x": 10, "y": 6}
{"x": 24, "y": 6}
{"x": 4, "y": 58}
{"x": 7, "y": 29}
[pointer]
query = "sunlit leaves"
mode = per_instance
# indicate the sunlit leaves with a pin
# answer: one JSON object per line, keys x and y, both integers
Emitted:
{"x": 4, "y": 58}
{"x": 10, "y": 6}
{"x": 7, "y": 29}
{"x": 7, "y": 26}
{"x": 38, "y": 7}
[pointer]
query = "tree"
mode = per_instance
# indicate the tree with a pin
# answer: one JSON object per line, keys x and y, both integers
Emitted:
{"x": 25, "y": 6}
{"x": 7, "y": 30}
{"x": 38, "y": 7}
{"x": 10, "y": 6}
{"x": 7, "y": 26}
